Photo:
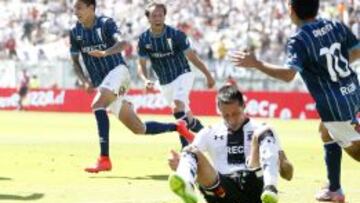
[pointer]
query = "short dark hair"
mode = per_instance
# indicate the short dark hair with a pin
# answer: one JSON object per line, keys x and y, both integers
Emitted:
{"x": 305, "y": 9}
{"x": 229, "y": 94}
{"x": 153, "y": 4}
{"x": 89, "y": 3}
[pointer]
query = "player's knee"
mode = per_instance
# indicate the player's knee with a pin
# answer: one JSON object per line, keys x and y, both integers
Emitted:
{"x": 179, "y": 106}
{"x": 354, "y": 150}
{"x": 138, "y": 130}
{"x": 261, "y": 136}
{"x": 357, "y": 154}
{"x": 193, "y": 150}
{"x": 324, "y": 134}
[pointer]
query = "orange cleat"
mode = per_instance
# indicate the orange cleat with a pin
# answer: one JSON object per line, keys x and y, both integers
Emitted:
{"x": 103, "y": 164}
{"x": 182, "y": 129}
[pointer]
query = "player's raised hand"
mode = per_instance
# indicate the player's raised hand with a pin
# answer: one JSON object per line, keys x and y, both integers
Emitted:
{"x": 210, "y": 81}
{"x": 244, "y": 59}
{"x": 97, "y": 53}
{"x": 89, "y": 88}
{"x": 173, "y": 160}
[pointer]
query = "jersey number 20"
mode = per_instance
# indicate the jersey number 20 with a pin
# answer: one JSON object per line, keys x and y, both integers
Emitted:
{"x": 333, "y": 57}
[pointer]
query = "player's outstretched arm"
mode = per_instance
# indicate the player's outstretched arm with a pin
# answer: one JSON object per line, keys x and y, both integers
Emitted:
{"x": 192, "y": 56}
{"x": 248, "y": 60}
{"x": 80, "y": 74}
{"x": 149, "y": 85}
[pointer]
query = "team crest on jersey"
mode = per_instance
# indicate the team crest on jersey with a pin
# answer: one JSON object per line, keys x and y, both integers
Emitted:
{"x": 148, "y": 46}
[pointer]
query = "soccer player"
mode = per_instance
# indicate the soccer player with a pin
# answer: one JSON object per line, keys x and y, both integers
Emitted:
{"x": 23, "y": 88}
{"x": 99, "y": 42}
{"x": 169, "y": 50}
{"x": 245, "y": 157}
{"x": 321, "y": 51}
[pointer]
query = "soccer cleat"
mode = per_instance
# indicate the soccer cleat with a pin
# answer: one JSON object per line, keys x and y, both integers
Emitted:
{"x": 103, "y": 164}
{"x": 325, "y": 195}
{"x": 182, "y": 129}
{"x": 286, "y": 169}
{"x": 269, "y": 194}
{"x": 183, "y": 189}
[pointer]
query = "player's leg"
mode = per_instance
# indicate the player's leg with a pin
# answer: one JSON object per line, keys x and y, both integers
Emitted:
{"x": 103, "y": 98}
{"x": 22, "y": 95}
{"x": 333, "y": 154}
{"x": 347, "y": 135}
{"x": 179, "y": 114}
{"x": 176, "y": 94}
{"x": 115, "y": 82}
{"x": 125, "y": 112}
{"x": 286, "y": 168}
{"x": 182, "y": 182}
{"x": 265, "y": 153}
{"x": 194, "y": 166}
{"x": 354, "y": 150}
{"x": 131, "y": 120}
{"x": 181, "y": 89}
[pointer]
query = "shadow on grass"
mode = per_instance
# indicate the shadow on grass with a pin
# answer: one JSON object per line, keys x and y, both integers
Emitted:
{"x": 4, "y": 178}
{"x": 148, "y": 177}
{"x": 34, "y": 196}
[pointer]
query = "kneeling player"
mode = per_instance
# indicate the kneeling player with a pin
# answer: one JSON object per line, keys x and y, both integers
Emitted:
{"x": 245, "y": 157}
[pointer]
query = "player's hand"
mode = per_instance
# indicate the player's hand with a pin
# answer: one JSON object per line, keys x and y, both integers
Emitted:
{"x": 149, "y": 86}
{"x": 97, "y": 53}
{"x": 244, "y": 59}
{"x": 174, "y": 160}
{"x": 210, "y": 81}
{"x": 89, "y": 88}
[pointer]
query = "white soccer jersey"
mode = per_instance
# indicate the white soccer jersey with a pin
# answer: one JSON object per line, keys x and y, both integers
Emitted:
{"x": 226, "y": 156}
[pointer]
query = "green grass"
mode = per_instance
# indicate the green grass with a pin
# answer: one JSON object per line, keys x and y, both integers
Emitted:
{"x": 43, "y": 155}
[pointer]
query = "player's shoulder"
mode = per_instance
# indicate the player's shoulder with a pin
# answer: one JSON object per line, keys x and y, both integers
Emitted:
{"x": 104, "y": 19}
{"x": 76, "y": 26}
{"x": 176, "y": 31}
{"x": 145, "y": 35}
{"x": 77, "y": 29}
{"x": 213, "y": 129}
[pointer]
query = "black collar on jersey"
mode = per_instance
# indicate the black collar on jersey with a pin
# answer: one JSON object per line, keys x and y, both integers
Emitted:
{"x": 240, "y": 128}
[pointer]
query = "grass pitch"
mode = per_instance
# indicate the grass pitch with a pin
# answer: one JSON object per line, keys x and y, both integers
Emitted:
{"x": 43, "y": 155}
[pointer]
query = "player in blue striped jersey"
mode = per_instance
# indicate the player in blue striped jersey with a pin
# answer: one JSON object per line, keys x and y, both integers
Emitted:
{"x": 98, "y": 40}
{"x": 321, "y": 51}
{"x": 169, "y": 50}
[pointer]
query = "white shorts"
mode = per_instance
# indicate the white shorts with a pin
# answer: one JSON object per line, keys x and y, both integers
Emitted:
{"x": 343, "y": 132}
{"x": 179, "y": 89}
{"x": 117, "y": 81}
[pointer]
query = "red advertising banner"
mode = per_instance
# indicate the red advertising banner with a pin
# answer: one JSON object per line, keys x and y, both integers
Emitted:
{"x": 286, "y": 105}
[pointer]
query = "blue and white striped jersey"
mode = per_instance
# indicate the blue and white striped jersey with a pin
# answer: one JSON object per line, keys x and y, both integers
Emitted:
{"x": 320, "y": 52}
{"x": 166, "y": 53}
{"x": 100, "y": 37}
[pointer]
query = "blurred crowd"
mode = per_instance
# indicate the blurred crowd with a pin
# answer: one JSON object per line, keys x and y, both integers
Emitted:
{"x": 32, "y": 29}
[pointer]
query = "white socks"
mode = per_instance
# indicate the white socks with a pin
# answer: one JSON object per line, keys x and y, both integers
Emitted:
{"x": 187, "y": 167}
{"x": 269, "y": 156}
